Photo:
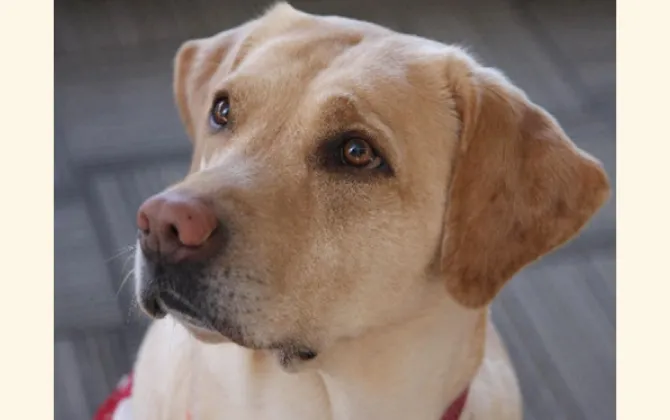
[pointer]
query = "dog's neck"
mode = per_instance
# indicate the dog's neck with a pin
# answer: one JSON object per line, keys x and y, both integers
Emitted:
{"x": 413, "y": 370}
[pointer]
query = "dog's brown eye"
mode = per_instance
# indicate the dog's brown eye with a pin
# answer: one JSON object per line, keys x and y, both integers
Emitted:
{"x": 358, "y": 153}
{"x": 219, "y": 113}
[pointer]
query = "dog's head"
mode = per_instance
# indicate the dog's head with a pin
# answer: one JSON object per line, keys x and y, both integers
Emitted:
{"x": 342, "y": 175}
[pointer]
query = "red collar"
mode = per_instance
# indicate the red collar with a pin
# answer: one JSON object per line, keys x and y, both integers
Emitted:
{"x": 124, "y": 390}
{"x": 455, "y": 410}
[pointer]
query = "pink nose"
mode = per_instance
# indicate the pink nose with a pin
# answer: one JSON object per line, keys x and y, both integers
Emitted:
{"x": 171, "y": 222}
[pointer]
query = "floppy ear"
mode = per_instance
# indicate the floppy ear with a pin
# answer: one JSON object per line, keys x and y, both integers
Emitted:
{"x": 195, "y": 64}
{"x": 519, "y": 188}
{"x": 184, "y": 62}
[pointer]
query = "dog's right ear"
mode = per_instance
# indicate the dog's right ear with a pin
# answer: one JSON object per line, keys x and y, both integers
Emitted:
{"x": 519, "y": 188}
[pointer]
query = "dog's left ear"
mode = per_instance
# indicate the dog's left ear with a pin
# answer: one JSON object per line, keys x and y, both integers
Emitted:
{"x": 187, "y": 57}
{"x": 195, "y": 64}
{"x": 519, "y": 187}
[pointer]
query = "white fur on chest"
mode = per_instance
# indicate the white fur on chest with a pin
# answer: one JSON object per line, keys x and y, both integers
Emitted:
{"x": 176, "y": 375}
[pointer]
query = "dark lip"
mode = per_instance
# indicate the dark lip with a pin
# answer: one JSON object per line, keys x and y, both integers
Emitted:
{"x": 168, "y": 301}
{"x": 172, "y": 303}
{"x": 176, "y": 305}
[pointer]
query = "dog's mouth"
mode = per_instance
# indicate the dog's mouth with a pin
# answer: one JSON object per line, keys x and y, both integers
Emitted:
{"x": 210, "y": 331}
{"x": 175, "y": 305}
{"x": 193, "y": 320}
{"x": 158, "y": 302}
{"x": 197, "y": 321}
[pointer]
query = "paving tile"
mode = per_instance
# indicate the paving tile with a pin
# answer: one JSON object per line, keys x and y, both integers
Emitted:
{"x": 118, "y": 104}
{"x": 69, "y": 389}
{"x": 492, "y": 31}
{"x": 83, "y": 291}
{"x": 88, "y": 366}
{"x": 585, "y": 34}
{"x": 62, "y": 173}
{"x": 606, "y": 267}
{"x": 537, "y": 400}
{"x": 86, "y": 27}
{"x": 553, "y": 309}
{"x": 381, "y": 13}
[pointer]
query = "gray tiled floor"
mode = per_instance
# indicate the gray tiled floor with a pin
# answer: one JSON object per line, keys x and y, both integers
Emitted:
{"x": 118, "y": 139}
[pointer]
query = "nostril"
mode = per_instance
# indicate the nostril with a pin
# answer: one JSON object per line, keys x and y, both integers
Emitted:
{"x": 174, "y": 231}
{"x": 143, "y": 223}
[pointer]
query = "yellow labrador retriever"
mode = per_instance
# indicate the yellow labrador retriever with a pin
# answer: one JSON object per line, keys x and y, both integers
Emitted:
{"x": 357, "y": 197}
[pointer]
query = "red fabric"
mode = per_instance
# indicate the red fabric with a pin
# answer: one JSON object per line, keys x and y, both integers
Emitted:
{"x": 122, "y": 391}
{"x": 125, "y": 387}
{"x": 456, "y": 408}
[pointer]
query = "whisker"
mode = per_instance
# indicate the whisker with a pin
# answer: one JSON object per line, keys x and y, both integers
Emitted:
{"x": 125, "y": 263}
{"x": 134, "y": 312}
{"x": 122, "y": 252}
{"x": 123, "y": 282}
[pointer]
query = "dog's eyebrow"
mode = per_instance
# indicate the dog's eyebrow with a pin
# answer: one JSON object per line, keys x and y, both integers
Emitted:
{"x": 346, "y": 111}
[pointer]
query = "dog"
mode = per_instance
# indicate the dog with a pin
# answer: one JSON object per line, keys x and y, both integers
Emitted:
{"x": 356, "y": 199}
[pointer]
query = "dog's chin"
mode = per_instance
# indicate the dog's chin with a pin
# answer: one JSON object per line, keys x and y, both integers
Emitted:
{"x": 290, "y": 356}
{"x": 200, "y": 330}
{"x": 206, "y": 329}
{"x": 205, "y": 335}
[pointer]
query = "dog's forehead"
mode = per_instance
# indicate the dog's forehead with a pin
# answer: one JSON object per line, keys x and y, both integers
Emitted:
{"x": 302, "y": 48}
{"x": 323, "y": 76}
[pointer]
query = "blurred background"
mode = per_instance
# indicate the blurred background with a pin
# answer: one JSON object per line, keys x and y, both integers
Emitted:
{"x": 118, "y": 140}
